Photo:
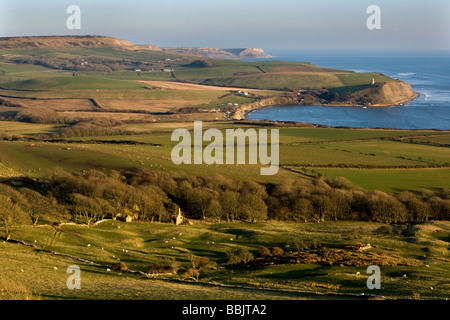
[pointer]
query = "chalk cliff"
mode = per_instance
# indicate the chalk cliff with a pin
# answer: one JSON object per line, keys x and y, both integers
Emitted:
{"x": 393, "y": 93}
{"x": 214, "y": 53}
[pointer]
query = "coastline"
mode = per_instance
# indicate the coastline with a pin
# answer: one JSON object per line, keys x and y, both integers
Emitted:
{"x": 391, "y": 94}
{"x": 242, "y": 113}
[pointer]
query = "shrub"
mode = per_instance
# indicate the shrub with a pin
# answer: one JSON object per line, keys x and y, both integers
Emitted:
{"x": 191, "y": 273}
{"x": 202, "y": 64}
{"x": 120, "y": 266}
{"x": 277, "y": 251}
{"x": 300, "y": 244}
{"x": 316, "y": 243}
{"x": 446, "y": 193}
{"x": 233, "y": 259}
{"x": 205, "y": 263}
{"x": 409, "y": 231}
{"x": 244, "y": 254}
{"x": 158, "y": 268}
{"x": 340, "y": 183}
{"x": 164, "y": 265}
{"x": 264, "y": 252}
{"x": 38, "y": 116}
{"x": 239, "y": 255}
{"x": 385, "y": 230}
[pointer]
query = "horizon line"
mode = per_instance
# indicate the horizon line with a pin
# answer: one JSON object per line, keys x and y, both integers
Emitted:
{"x": 240, "y": 47}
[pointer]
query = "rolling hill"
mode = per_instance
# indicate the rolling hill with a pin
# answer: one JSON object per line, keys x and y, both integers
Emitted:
{"x": 55, "y": 70}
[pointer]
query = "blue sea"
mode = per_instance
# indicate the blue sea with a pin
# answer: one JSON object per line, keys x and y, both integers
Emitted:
{"x": 427, "y": 73}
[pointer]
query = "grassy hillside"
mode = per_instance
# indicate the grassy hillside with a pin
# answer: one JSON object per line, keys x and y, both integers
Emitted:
{"x": 140, "y": 245}
{"x": 117, "y": 58}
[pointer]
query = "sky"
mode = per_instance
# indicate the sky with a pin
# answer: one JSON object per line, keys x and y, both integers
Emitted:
{"x": 271, "y": 25}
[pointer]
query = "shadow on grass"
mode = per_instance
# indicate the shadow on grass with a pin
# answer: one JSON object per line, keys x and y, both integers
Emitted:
{"x": 306, "y": 274}
{"x": 244, "y": 233}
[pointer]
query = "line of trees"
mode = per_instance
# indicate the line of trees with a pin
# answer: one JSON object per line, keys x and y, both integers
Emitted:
{"x": 154, "y": 196}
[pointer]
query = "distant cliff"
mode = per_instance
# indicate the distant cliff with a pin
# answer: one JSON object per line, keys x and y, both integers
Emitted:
{"x": 249, "y": 53}
{"x": 214, "y": 53}
{"x": 392, "y": 93}
{"x": 389, "y": 93}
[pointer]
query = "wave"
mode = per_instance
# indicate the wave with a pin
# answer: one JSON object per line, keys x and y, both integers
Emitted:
{"x": 406, "y": 74}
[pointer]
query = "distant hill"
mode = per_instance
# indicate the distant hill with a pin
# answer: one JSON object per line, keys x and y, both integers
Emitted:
{"x": 62, "y": 41}
{"x": 115, "y": 62}
{"x": 214, "y": 53}
{"x": 107, "y": 42}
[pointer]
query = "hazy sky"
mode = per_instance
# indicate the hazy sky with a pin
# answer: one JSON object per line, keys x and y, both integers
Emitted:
{"x": 272, "y": 25}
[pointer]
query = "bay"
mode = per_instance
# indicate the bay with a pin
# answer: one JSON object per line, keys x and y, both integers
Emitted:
{"x": 427, "y": 72}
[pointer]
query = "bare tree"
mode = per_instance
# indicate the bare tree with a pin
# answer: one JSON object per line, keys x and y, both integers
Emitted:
{"x": 37, "y": 207}
{"x": 10, "y": 216}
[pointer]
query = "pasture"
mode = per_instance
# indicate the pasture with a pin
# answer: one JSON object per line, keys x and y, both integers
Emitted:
{"x": 366, "y": 157}
{"x": 420, "y": 254}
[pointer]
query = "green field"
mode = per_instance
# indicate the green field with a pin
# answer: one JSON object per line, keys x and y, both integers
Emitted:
{"x": 27, "y": 129}
{"x": 393, "y": 180}
{"x": 391, "y": 149}
{"x": 382, "y": 164}
{"x": 438, "y": 139}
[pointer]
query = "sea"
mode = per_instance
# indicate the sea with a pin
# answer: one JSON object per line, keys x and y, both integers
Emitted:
{"x": 427, "y": 72}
